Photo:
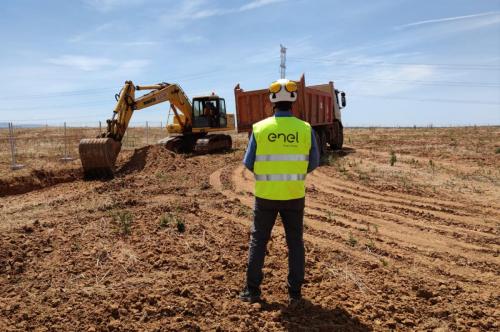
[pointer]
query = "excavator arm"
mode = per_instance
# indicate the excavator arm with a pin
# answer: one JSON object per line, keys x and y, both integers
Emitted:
{"x": 174, "y": 95}
{"x": 127, "y": 104}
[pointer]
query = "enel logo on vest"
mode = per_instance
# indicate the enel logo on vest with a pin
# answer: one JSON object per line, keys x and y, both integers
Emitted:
{"x": 290, "y": 138}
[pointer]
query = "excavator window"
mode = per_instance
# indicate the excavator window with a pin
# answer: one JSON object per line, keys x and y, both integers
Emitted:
{"x": 200, "y": 116}
{"x": 209, "y": 113}
{"x": 222, "y": 113}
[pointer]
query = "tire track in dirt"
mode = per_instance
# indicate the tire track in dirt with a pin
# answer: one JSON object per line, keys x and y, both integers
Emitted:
{"x": 325, "y": 183}
{"x": 418, "y": 222}
{"x": 349, "y": 210}
{"x": 430, "y": 247}
{"x": 243, "y": 182}
{"x": 239, "y": 173}
{"x": 419, "y": 202}
{"x": 450, "y": 168}
{"x": 315, "y": 220}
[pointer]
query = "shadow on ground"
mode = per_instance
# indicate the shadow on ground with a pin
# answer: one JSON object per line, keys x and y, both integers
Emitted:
{"x": 308, "y": 316}
{"x": 136, "y": 163}
{"x": 331, "y": 155}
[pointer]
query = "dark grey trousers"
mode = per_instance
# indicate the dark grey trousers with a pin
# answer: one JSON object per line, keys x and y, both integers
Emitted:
{"x": 292, "y": 215}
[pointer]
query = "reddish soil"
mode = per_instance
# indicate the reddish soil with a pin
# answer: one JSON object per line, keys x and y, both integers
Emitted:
{"x": 412, "y": 246}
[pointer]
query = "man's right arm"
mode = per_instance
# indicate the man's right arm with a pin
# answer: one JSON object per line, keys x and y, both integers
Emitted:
{"x": 249, "y": 158}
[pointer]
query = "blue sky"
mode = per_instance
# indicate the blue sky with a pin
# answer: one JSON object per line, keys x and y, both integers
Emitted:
{"x": 401, "y": 62}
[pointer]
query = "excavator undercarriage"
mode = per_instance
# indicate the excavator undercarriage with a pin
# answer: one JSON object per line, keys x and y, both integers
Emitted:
{"x": 197, "y": 143}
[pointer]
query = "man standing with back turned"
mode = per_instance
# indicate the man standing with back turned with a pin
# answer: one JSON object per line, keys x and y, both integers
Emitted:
{"x": 281, "y": 151}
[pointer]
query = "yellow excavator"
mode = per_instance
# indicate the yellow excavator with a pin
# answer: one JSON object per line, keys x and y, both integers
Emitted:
{"x": 191, "y": 130}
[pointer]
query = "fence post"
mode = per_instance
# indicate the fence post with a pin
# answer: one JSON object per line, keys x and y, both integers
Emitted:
{"x": 66, "y": 157}
{"x": 12, "y": 142}
{"x": 147, "y": 133}
{"x": 100, "y": 128}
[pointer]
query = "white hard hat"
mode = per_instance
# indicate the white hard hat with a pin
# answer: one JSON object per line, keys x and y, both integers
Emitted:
{"x": 283, "y": 90}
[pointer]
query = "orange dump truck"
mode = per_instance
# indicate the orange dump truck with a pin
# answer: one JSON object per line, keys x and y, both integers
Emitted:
{"x": 317, "y": 104}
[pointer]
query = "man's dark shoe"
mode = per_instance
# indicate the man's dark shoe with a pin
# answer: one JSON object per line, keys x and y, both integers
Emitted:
{"x": 294, "y": 299}
{"x": 251, "y": 296}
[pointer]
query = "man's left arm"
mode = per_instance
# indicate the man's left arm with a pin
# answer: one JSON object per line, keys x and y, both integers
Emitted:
{"x": 313, "y": 153}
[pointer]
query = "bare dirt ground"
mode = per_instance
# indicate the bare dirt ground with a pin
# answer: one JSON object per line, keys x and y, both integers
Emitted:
{"x": 163, "y": 246}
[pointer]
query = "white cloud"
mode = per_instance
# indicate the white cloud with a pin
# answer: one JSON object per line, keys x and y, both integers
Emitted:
{"x": 192, "y": 39}
{"x": 109, "y": 5}
{"x": 475, "y": 20}
{"x": 81, "y": 62}
{"x": 91, "y": 33}
{"x": 94, "y": 64}
{"x": 390, "y": 81}
{"x": 133, "y": 65}
{"x": 258, "y": 3}
{"x": 94, "y": 36}
{"x": 200, "y": 9}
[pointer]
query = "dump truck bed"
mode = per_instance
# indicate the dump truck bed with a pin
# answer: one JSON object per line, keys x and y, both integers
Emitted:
{"x": 316, "y": 104}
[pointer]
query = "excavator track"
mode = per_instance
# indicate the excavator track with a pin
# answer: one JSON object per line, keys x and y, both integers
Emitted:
{"x": 213, "y": 143}
{"x": 198, "y": 144}
{"x": 98, "y": 156}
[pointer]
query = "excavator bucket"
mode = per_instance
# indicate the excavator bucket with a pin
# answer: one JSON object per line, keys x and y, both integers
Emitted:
{"x": 98, "y": 156}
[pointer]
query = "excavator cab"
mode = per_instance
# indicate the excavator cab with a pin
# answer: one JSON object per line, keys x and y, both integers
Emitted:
{"x": 209, "y": 112}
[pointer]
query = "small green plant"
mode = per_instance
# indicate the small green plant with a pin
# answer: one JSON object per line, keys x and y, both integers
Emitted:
{"x": 166, "y": 220}
{"x": 375, "y": 227}
{"x": 432, "y": 166}
{"x": 363, "y": 176}
{"x": 161, "y": 176}
{"x": 384, "y": 262}
{"x": 393, "y": 158}
{"x": 352, "y": 241}
{"x": 330, "y": 216}
{"x": 370, "y": 245}
{"x": 244, "y": 212}
{"x": 180, "y": 225}
{"x": 329, "y": 159}
{"x": 497, "y": 150}
{"x": 124, "y": 220}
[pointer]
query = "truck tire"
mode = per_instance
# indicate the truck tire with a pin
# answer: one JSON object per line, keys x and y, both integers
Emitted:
{"x": 323, "y": 138}
{"x": 338, "y": 136}
{"x": 320, "y": 141}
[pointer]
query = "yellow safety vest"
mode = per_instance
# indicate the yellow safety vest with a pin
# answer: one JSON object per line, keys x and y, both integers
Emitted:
{"x": 282, "y": 157}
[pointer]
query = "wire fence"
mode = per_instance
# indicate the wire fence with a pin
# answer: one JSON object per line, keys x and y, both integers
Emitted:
{"x": 22, "y": 145}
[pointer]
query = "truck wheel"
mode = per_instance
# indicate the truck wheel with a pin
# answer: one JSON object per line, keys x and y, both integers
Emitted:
{"x": 322, "y": 136}
{"x": 338, "y": 136}
{"x": 320, "y": 142}
{"x": 341, "y": 137}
